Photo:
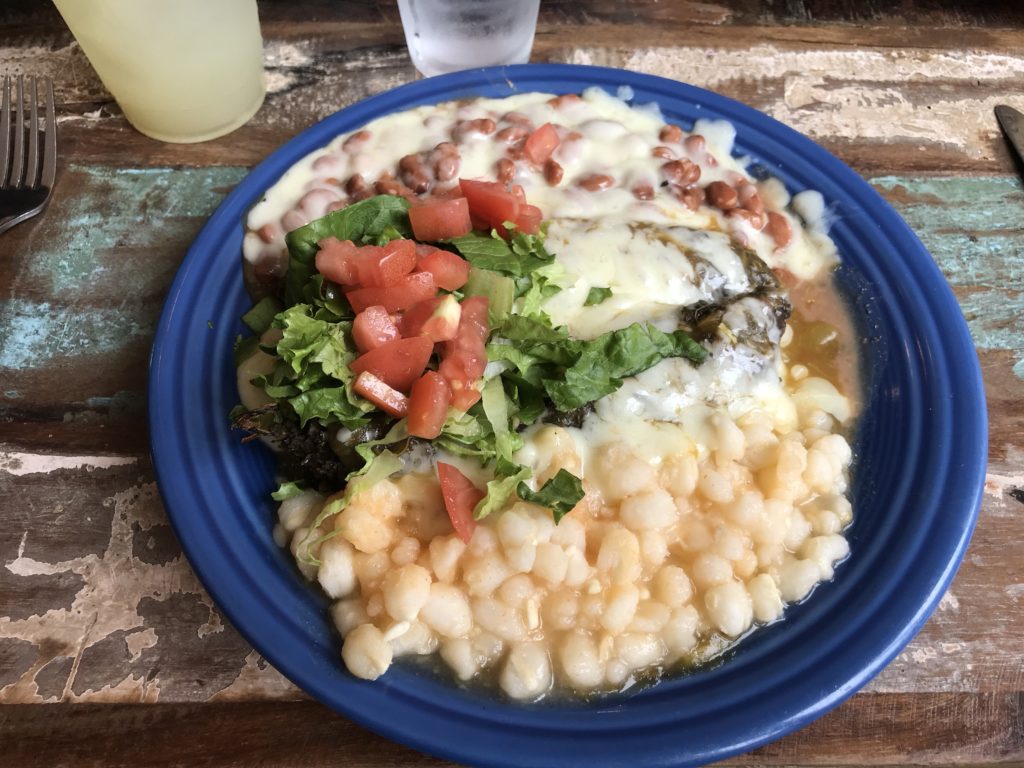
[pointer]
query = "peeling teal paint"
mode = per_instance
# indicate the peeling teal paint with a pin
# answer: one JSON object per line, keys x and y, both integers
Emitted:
{"x": 32, "y": 333}
{"x": 974, "y": 229}
{"x": 123, "y": 208}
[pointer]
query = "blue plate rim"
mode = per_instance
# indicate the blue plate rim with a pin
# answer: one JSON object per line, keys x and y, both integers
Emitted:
{"x": 940, "y": 300}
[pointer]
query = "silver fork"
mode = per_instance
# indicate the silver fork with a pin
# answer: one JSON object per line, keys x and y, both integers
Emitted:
{"x": 27, "y": 172}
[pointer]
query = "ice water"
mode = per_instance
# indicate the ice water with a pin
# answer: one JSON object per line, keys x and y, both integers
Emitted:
{"x": 448, "y": 35}
{"x": 182, "y": 70}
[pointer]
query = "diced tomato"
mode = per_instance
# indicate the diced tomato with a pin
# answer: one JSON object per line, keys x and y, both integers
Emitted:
{"x": 373, "y": 327}
{"x": 394, "y": 298}
{"x": 464, "y": 358}
{"x": 529, "y": 219}
{"x": 490, "y": 202}
{"x": 415, "y": 316}
{"x": 336, "y": 260}
{"x": 422, "y": 251}
{"x": 378, "y": 267}
{"x": 465, "y": 398}
{"x": 541, "y": 144}
{"x": 380, "y": 394}
{"x": 428, "y": 405}
{"x": 397, "y": 363}
{"x": 439, "y": 219}
{"x": 450, "y": 271}
{"x": 474, "y": 316}
{"x": 460, "y": 499}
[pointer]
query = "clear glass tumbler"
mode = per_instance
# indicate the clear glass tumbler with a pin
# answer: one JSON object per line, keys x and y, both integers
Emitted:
{"x": 182, "y": 70}
{"x": 448, "y": 35}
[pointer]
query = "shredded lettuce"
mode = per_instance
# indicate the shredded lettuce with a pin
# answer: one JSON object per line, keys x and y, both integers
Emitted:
{"x": 286, "y": 490}
{"x": 597, "y": 295}
{"x": 499, "y": 491}
{"x": 560, "y": 494}
{"x": 262, "y": 315}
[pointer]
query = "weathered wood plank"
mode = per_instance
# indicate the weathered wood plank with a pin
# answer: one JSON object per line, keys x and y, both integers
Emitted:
{"x": 876, "y": 729}
{"x": 883, "y": 99}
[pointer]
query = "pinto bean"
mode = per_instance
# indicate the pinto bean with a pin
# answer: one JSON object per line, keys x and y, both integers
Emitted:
{"x": 749, "y": 199}
{"x": 567, "y": 98}
{"x": 596, "y": 182}
{"x": 355, "y": 183}
{"x": 691, "y": 197}
{"x": 681, "y": 172}
{"x": 512, "y": 134}
{"x": 696, "y": 146}
{"x": 721, "y": 195}
{"x": 756, "y": 220}
{"x": 779, "y": 229}
{"x": 269, "y": 232}
{"x": 445, "y": 159}
{"x": 663, "y": 153}
{"x": 354, "y": 142}
{"x": 671, "y": 134}
{"x": 484, "y": 126}
{"x": 413, "y": 173}
{"x": 552, "y": 172}
{"x": 387, "y": 184}
{"x": 643, "y": 191}
{"x": 517, "y": 118}
{"x": 505, "y": 169}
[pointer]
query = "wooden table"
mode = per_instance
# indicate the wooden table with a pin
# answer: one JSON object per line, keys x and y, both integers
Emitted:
{"x": 110, "y": 650}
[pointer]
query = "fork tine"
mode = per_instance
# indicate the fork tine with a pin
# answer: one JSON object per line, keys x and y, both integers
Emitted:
{"x": 5, "y": 130}
{"x": 19, "y": 135}
{"x": 50, "y": 147}
{"x": 32, "y": 167}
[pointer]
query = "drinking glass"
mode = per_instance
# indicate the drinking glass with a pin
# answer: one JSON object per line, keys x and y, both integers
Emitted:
{"x": 182, "y": 70}
{"x": 448, "y": 35}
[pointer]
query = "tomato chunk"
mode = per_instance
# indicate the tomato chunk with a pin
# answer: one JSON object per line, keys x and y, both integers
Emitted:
{"x": 397, "y": 363}
{"x": 380, "y": 394}
{"x": 529, "y": 219}
{"x": 541, "y": 143}
{"x": 385, "y": 265}
{"x": 439, "y": 219}
{"x": 460, "y": 499}
{"x": 450, "y": 271}
{"x": 490, "y": 202}
{"x": 464, "y": 358}
{"x": 336, "y": 260}
{"x": 436, "y": 318}
{"x": 394, "y": 298}
{"x": 428, "y": 405}
{"x": 373, "y": 327}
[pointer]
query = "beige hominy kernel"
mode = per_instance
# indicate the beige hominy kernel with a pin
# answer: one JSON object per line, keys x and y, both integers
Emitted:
{"x": 298, "y": 510}
{"x": 765, "y": 598}
{"x": 406, "y": 551}
{"x": 796, "y": 578}
{"x": 680, "y": 633}
{"x": 348, "y": 614}
{"x": 370, "y": 569}
{"x": 619, "y": 556}
{"x": 406, "y": 590}
{"x": 622, "y": 474}
{"x": 650, "y": 616}
{"x": 302, "y": 552}
{"x": 709, "y": 569}
{"x": 672, "y": 586}
{"x": 458, "y": 654}
{"x": 527, "y": 671}
{"x": 516, "y": 589}
{"x": 336, "y": 573}
{"x": 619, "y": 608}
{"x": 653, "y": 509}
{"x": 445, "y": 552}
{"x": 639, "y": 649}
{"x": 714, "y": 485}
{"x": 560, "y": 609}
{"x": 679, "y": 475}
{"x": 580, "y": 661}
{"x": 729, "y": 607}
{"x": 483, "y": 575}
{"x": 498, "y": 619}
{"x": 366, "y": 653}
{"x": 551, "y": 563}
{"x": 415, "y": 640}
{"x": 447, "y": 611}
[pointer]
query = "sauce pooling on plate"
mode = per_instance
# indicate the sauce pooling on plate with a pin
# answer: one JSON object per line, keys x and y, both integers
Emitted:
{"x": 706, "y": 491}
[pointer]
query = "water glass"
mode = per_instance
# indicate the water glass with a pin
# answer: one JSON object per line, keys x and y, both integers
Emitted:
{"x": 449, "y": 35}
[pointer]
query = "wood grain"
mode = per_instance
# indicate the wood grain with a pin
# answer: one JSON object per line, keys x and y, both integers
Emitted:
{"x": 880, "y": 729}
{"x": 97, "y": 605}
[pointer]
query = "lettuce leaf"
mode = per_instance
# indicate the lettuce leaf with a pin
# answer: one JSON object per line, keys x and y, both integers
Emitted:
{"x": 499, "y": 491}
{"x": 517, "y": 257}
{"x": 605, "y": 361}
{"x": 560, "y": 494}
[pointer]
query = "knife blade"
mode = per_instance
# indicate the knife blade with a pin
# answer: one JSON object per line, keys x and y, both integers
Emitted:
{"x": 1012, "y": 122}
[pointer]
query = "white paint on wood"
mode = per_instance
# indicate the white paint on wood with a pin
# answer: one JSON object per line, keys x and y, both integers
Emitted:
{"x": 17, "y": 463}
{"x": 883, "y": 94}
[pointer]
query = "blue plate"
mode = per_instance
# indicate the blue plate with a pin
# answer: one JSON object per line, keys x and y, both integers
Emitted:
{"x": 921, "y": 451}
